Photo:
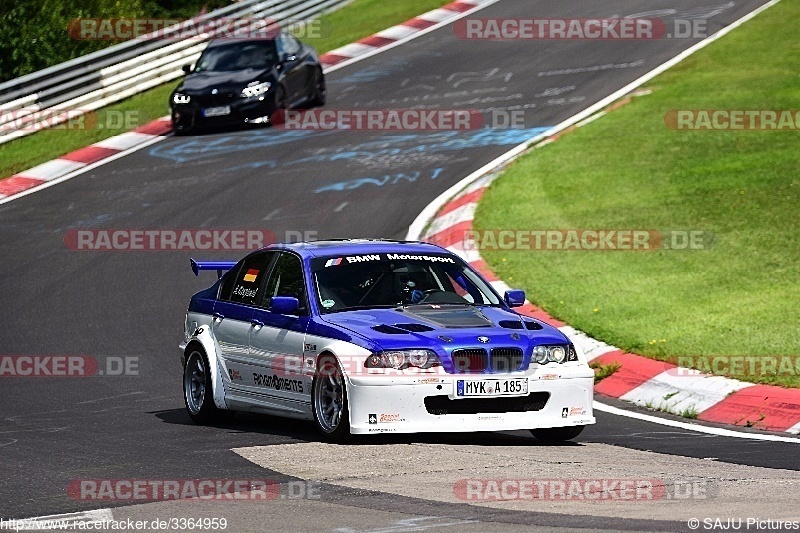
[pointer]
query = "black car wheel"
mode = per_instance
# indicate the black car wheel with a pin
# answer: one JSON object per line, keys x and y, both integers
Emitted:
{"x": 320, "y": 93}
{"x": 279, "y": 114}
{"x": 181, "y": 126}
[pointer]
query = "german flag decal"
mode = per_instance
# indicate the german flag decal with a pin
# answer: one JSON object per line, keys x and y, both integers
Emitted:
{"x": 251, "y": 275}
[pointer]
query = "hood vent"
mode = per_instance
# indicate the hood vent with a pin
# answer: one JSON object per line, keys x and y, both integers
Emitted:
{"x": 450, "y": 316}
{"x": 402, "y": 329}
{"x": 389, "y": 330}
{"x": 511, "y": 324}
{"x": 530, "y": 324}
{"x": 416, "y": 328}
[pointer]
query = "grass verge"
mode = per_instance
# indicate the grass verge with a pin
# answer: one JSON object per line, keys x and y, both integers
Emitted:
{"x": 739, "y": 296}
{"x": 360, "y": 19}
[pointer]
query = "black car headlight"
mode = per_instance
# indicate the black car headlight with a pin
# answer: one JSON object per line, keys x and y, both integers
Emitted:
{"x": 399, "y": 359}
{"x": 255, "y": 89}
{"x": 558, "y": 353}
{"x": 181, "y": 99}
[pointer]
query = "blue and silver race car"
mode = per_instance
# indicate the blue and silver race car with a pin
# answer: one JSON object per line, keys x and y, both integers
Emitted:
{"x": 365, "y": 336}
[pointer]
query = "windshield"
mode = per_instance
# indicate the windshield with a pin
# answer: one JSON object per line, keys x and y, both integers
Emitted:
{"x": 238, "y": 56}
{"x": 389, "y": 280}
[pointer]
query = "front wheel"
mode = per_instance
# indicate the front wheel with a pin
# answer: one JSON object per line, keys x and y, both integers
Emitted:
{"x": 329, "y": 401}
{"x": 278, "y": 115}
{"x": 197, "y": 389}
{"x": 557, "y": 434}
{"x": 319, "y": 91}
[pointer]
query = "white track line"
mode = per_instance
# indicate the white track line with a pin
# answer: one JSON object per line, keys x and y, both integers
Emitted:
{"x": 722, "y": 432}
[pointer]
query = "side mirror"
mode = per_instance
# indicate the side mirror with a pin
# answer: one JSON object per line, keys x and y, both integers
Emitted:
{"x": 186, "y": 69}
{"x": 515, "y": 298}
{"x": 284, "y": 305}
{"x": 288, "y": 58}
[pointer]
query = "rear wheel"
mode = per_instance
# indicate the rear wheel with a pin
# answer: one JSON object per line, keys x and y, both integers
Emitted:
{"x": 329, "y": 401}
{"x": 197, "y": 389}
{"x": 557, "y": 434}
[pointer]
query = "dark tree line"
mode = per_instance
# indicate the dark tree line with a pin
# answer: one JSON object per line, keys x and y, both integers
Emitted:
{"x": 34, "y": 34}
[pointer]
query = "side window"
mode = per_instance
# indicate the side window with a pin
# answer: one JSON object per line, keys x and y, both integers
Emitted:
{"x": 249, "y": 278}
{"x": 292, "y": 44}
{"x": 226, "y": 287}
{"x": 287, "y": 44}
{"x": 286, "y": 280}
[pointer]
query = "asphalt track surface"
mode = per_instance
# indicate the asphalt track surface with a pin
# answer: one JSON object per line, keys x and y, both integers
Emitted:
{"x": 59, "y": 301}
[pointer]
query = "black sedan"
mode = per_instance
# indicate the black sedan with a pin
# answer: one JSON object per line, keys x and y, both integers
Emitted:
{"x": 246, "y": 82}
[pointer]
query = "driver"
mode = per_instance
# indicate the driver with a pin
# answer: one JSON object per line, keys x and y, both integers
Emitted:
{"x": 411, "y": 282}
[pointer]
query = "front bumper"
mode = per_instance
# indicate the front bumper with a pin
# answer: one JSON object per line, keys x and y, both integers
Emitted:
{"x": 398, "y": 405}
{"x": 190, "y": 116}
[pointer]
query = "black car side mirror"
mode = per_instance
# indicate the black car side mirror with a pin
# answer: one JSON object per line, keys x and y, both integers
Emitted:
{"x": 186, "y": 69}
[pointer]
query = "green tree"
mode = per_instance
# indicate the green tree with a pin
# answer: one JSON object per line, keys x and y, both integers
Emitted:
{"x": 34, "y": 34}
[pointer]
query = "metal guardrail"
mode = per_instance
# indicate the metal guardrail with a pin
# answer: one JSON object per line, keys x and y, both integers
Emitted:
{"x": 66, "y": 91}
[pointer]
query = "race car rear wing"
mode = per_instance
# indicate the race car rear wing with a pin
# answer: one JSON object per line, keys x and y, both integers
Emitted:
{"x": 219, "y": 266}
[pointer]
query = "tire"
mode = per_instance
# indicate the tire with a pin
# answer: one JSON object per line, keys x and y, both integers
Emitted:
{"x": 182, "y": 131}
{"x": 197, "y": 389}
{"x": 179, "y": 129}
{"x": 557, "y": 434}
{"x": 320, "y": 91}
{"x": 329, "y": 401}
{"x": 278, "y": 115}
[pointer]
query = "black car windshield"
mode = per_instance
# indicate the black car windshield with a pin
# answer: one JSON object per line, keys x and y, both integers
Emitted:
{"x": 238, "y": 56}
{"x": 389, "y": 280}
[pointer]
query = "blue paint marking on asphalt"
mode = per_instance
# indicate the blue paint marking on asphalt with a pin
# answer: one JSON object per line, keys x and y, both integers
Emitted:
{"x": 370, "y": 74}
{"x": 380, "y": 181}
{"x": 209, "y": 147}
{"x": 429, "y": 143}
{"x": 384, "y": 145}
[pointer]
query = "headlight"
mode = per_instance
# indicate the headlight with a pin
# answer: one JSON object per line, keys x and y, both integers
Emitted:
{"x": 179, "y": 98}
{"x": 396, "y": 360}
{"x": 554, "y": 354}
{"x": 558, "y": 354}
{"x": 420, "y": 358}
{"x": 540, "y": 354}
{"x": 255, "y": 89}
{"x": 399, "y": 359}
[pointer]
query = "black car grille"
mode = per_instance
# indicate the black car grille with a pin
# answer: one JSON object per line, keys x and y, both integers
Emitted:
{"x": 470, "y": 361}
{"x": 215, "y": 100}
{"x": 443, "y": 405}
{"x": 478, "y": 360}
{"x": 506, "y": 359}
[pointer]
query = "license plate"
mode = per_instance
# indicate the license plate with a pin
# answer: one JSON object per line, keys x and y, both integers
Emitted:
{"x": 217, "y": 111}
{"x": 491, "y": 387}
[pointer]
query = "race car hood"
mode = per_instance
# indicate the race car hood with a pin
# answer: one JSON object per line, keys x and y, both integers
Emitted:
{"x": 199, "y": 83}
{"x": 446, "y": 327}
